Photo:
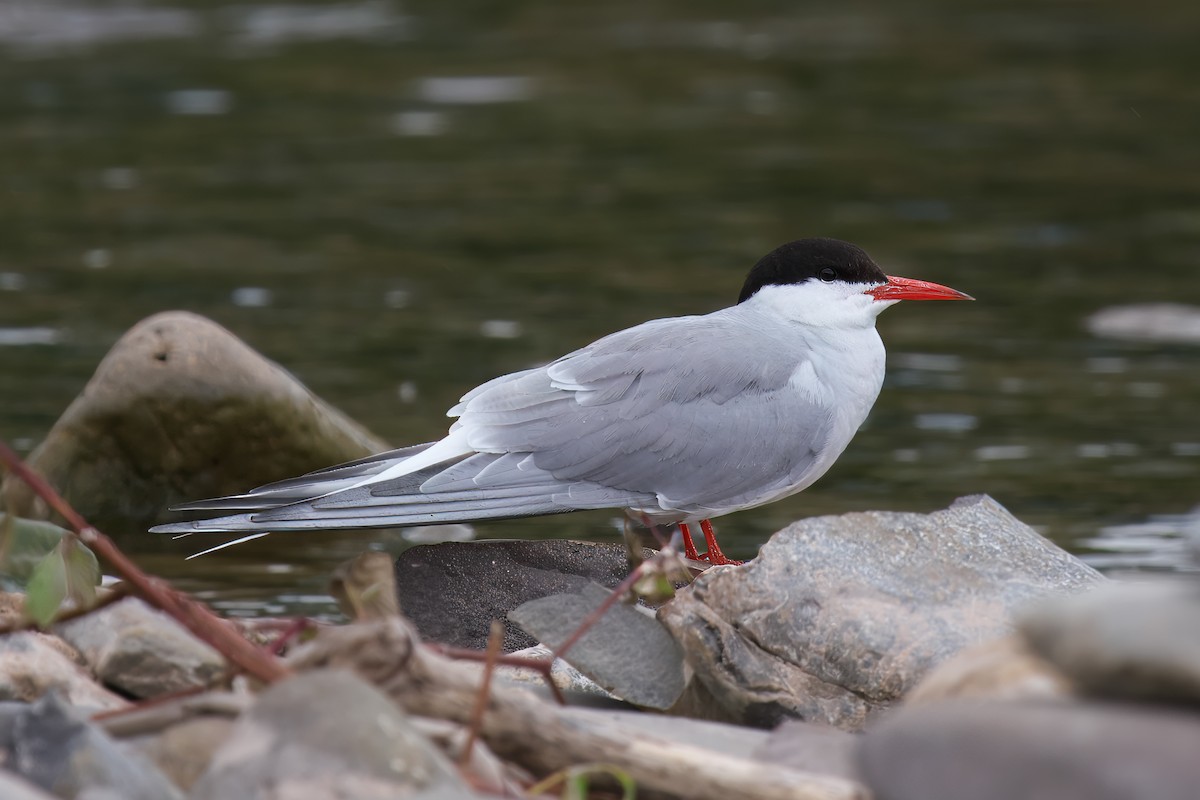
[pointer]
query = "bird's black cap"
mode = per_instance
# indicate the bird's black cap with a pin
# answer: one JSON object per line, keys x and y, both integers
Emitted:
{"x": 812, "y": 259}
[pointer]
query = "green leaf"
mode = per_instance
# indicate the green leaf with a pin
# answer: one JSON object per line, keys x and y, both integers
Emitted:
{"x": 576, "y": 785}
{"x": 69, "y": 571}
{"x": 83, "y": 572}
{"x": 47, "y": 589}
{"x": 23, "y": 544}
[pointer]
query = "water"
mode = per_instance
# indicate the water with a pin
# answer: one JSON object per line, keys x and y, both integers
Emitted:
{"x": 398, "y": 202}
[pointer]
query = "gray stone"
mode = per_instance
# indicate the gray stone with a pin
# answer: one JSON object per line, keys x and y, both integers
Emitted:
{"x": 574, "y": 685}
{"x": 839, "y": 617}
{"x": 183, "y": 751}
{"x": 1003, "y": 751}
{"x": 52, "y": 746}
{"x": 14, "y": 787}
{"x": 810, "y": 747}
{"x": 140, "y": 651}
{"x": 32, "y": 664}
{"x": 626, "y": 652}
{"x": 327, "y": 734}
{"x": 453, "y": 591}
{"x": 180, "y": 408}
{"x": 1136, "y": 641}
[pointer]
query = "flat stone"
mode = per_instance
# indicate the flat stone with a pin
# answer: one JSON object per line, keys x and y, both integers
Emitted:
{"x": 327, "y": 734}
{"x": 32, "y": 664}
{"x": 1137, "y": 641}
{"x": 52, "y": 746}
{"x": 141, "y": 651}
{"x": 453, "y": 591}
{"x": 179, "y": 409}
{"x": 1002, "y": 751}
{"x": 573, "y": 684}
{"x": 839, "y": 617}
{"x": 626, "y": 652}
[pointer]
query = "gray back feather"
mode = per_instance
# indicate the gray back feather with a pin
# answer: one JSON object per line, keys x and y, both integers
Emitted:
{"x": 691, "y": 409}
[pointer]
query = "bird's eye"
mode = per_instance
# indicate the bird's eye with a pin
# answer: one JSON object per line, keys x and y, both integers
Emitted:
{"x": 828, "y": 275}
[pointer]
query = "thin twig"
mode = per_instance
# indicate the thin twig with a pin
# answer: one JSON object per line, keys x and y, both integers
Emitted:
{"x": 153, "y": 702}
{"x": 294, "y": 630}
{"x": 194, "y": 616}
{"x": 495, "y": 642}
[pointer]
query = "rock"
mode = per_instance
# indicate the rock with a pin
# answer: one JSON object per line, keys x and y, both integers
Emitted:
{"x": 180, "y": 409}
{"x": 1018, "y": 750}
{"x": 626, "y": 652}
{"x": 575, "y": 686}
{"x": 140, "y": 651}
{"x": 52, "y": 746}
{"x": 32, "y": 664}
{"x": 1003, "y": 669}
{"x": 839, "y": 617}
{"x": 1148, "y": 322}
{"x": 327, "y": 734}
{"x": 453, "y": 591}
{"x": 12, "y": 604}
{"x": 183, "y": 751}
{"x": 14, "y": 787}
{"x": 811, "y": 747}
{"x": 1138, "y": 641}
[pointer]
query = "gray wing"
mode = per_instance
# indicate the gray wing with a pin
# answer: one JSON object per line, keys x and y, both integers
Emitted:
{"x": 696, "y": 410}
{"x": 676, "y": 417}
{"x": 307, "y": 486}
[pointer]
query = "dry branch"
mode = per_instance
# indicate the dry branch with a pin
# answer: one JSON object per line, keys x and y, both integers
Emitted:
{"x": 544, "y": 738}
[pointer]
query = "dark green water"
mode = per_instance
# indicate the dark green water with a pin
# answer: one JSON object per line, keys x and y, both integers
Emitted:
{"x": 633, "y": 162}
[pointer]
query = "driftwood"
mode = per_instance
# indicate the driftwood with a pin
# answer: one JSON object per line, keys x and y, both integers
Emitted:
{"x": 544, "y": 738}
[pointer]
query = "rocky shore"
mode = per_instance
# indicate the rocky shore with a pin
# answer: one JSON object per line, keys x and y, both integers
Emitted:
{"x": 956, "y": 654}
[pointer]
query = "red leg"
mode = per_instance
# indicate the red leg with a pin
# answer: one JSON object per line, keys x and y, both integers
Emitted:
{"x": 689, "y": 547}
{"x": 714, "y": 554}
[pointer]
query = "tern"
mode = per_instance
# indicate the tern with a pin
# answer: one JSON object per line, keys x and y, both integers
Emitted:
{"x": 676, "y": 420}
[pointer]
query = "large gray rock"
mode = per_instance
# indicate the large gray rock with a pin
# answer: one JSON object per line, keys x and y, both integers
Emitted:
{"x": 179, "y": 409}
{"x": 324, "y": 735}
{"x": 53, "y": 746}
{"x": 1057, "y": 751}
{"x": 838, "y": 617}
{"x": 453, "y": 591}
{"x": 32, "y": 664}
{"x": 1138, "y": 641}
{"x": 140, "y": 651}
